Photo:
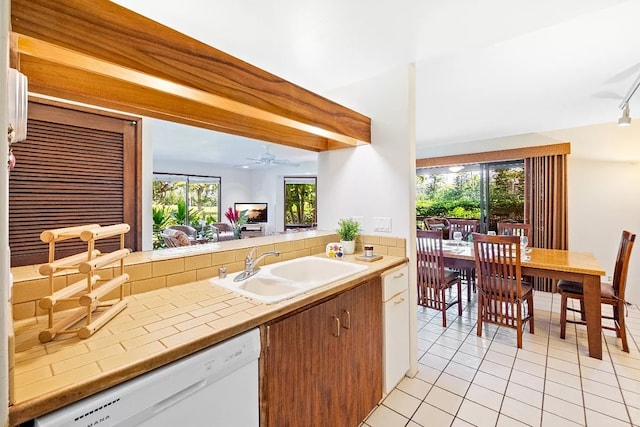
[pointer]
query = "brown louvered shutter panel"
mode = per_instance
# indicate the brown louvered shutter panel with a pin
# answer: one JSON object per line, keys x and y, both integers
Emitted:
{"x": 72, "y": 170}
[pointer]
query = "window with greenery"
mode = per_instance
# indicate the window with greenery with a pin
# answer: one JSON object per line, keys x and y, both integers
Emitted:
{"x": 299, "y": 202}
{"x": 184, "y": 200}
{"x": 490, "y": 192}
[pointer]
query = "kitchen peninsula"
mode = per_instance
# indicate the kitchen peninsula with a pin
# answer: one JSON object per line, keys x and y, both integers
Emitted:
{"x": 173, "y": 311}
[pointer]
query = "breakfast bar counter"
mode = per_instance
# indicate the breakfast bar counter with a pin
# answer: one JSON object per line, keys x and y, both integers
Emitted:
{"x": 157, "y": 328}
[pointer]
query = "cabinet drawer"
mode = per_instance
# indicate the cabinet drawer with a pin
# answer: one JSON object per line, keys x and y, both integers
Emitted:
{"x": 395, "y": 281}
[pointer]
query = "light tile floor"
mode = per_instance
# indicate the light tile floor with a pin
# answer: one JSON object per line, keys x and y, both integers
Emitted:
{"x": 464, "y": 380}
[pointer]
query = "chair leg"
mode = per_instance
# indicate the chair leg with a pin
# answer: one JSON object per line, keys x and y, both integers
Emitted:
{"x": 531, "y": 313}
{"x": 622, "y": 329}
{"x": 459, "y": 297}
{"x": 443, "y": 305}
{"x": 480, "y": 302}
{"x": 563, "y": 315}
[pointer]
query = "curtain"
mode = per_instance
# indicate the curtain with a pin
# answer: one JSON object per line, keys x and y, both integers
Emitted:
{"x": 546, "y": 205}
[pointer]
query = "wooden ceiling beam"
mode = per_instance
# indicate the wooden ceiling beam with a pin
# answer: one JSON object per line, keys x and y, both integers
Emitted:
{"x": 81, "y": 86}
{"x": 111, "y": 46}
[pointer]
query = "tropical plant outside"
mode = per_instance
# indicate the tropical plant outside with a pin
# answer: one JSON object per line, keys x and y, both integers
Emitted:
{"x": 457, "y": 195}
{"x": 300, "y": 204}
{"x": 170, "y": 204}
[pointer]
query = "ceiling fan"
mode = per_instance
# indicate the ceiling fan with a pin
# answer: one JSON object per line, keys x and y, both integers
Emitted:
{"x": 267, "y": 159}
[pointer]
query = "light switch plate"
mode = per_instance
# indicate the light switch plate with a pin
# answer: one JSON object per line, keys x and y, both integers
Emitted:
{"x": 382, "y": 224}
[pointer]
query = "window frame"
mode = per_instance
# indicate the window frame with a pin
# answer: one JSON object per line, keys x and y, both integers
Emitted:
{"x": 311, "y": 180}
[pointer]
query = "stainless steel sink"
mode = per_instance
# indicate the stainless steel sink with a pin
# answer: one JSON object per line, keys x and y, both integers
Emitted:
{"x": 283, "y": 280}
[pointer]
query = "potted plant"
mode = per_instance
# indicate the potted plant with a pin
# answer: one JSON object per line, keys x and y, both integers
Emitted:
{"x": 348, "y": 231}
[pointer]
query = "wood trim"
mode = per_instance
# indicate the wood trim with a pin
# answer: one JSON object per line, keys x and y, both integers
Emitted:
{"x": 80, "y": 86}
{"x": 107, "y": 41}
{"x": 495, "y": 156}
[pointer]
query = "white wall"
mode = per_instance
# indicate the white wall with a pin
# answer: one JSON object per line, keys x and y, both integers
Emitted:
{"x": 378, "y": 179}
{"x": 4, "y": 218}
{"x": 604, "y": 199}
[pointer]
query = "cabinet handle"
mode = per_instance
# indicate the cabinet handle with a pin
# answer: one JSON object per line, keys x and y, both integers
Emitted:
{"x": 400, "y": 301}
{"x": 347, "y": 324}
{"x": 399, "y": 275}
{"x": 337, "y": 331}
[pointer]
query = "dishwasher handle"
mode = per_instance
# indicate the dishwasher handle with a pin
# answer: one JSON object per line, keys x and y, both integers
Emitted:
{"x": 177, "y": 397}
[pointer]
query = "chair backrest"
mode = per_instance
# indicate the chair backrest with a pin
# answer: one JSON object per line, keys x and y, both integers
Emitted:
{"x": 430, "y": 257}
{"x": 174, "y": 237}
{"x": 222, "y": 226}
{"x": 465, "y": 226}
{"x": 498, "y": 266}
{"x": 435, "y": 223}
{"x": 186, "y": 229}
{"x": 622, "y": 263}
{"x": 515, "y": 229}
{"x": 430, "y": 269}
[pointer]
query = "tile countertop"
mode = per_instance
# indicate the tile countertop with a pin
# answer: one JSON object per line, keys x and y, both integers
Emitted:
{"x": 156, "y": 328}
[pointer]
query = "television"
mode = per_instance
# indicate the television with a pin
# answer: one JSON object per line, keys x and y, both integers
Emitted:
{"x": 257, "y": 212}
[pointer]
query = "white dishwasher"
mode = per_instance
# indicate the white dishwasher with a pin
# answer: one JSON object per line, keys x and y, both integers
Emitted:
{"x": 217, "y": 386}
{"x": 395, "y": 315}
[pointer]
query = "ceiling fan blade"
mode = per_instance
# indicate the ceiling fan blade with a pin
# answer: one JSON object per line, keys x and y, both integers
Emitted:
{"x": 607, "y": 94}
{"x": 246, "y": 165}
{"x": 284, "y": 163}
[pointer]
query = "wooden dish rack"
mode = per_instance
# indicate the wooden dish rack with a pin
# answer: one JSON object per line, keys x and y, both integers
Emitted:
{"x": 86, "y": 293}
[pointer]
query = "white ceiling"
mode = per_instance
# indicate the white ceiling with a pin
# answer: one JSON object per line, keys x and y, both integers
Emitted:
{"x": 484, "y": 69}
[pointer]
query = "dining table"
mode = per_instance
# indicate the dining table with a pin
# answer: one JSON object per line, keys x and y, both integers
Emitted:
{"x": 554, "y": 264}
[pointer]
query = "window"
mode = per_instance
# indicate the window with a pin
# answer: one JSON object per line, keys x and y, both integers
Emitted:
{"x": 299, "y": 202}
{"x": 186, "y": 200}
{"x": 491, "y": 192}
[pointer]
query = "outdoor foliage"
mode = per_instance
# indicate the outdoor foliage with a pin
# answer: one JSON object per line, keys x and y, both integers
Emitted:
{"x": 180, "y": 214}
{"x": 300, "y": 202}
{"x": 170, "y": 205}
{"x": 457, "y": 195}
{"x": 162, "y": 218}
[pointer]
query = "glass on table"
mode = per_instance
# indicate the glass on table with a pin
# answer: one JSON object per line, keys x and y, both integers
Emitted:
{"x": 491, "y": 233}
{"x": 457, "y": 236}
{"x": 524, "y": 242}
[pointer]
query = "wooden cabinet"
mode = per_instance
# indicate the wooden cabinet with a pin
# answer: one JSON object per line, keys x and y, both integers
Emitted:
{"x": 323, "y": 366}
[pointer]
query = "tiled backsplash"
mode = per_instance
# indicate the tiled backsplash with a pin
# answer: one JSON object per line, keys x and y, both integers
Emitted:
{"x": 175, "y": 266}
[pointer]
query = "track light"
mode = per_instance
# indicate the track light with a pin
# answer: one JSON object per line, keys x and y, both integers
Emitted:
{"x": 625, "y": 120}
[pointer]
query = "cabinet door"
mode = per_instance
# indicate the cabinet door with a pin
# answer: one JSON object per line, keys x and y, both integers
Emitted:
{"x": 323, "y": 366}
{"x": 361, "y": 371}
{"x": 298, "y": 369}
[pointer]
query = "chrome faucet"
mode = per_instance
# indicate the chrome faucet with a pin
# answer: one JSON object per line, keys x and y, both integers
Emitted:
{"x": 250, "y": 264}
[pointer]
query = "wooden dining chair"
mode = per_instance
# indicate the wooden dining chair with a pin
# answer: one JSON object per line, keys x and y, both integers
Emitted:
{"x": 433, "y": 279}
{"x": 515, "y": 229}
{"x": 611, "y": 294}
{"x": 465, "y": 226}
{"x": 503, "y": 297}
{"x": 437, "y": 223}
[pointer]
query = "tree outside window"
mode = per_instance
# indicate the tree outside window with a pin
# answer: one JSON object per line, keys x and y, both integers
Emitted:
{"x": 491, "y": 192}
{"x": 299, "y": 202}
